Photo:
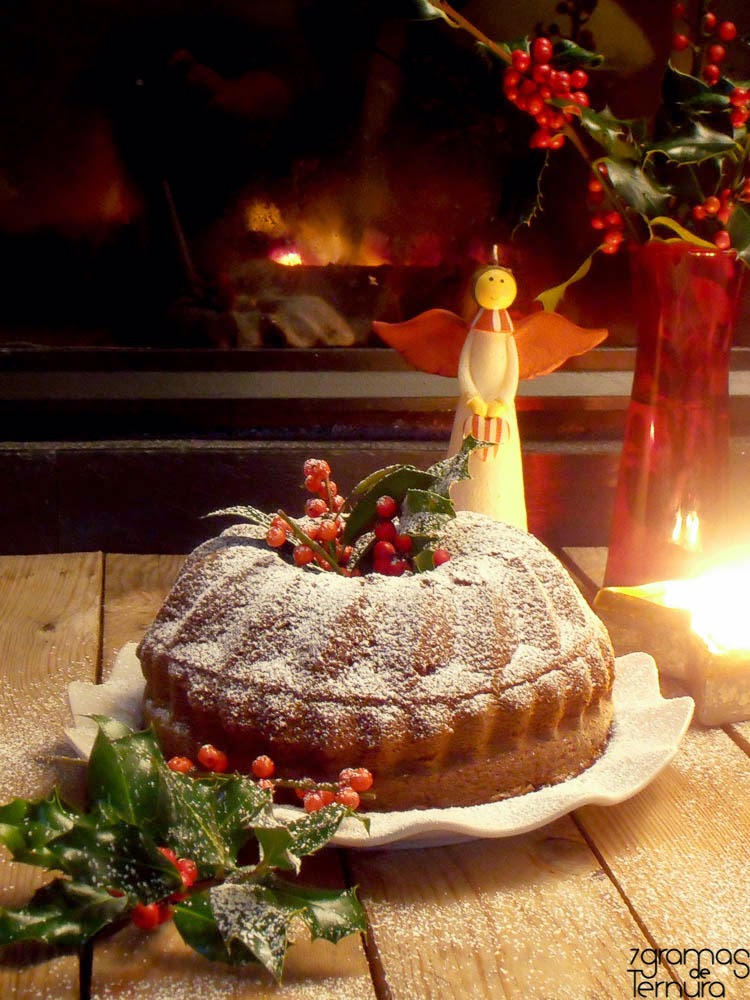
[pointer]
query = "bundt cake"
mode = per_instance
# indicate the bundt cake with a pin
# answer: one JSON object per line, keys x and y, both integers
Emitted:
{"x": 486, "y": 677}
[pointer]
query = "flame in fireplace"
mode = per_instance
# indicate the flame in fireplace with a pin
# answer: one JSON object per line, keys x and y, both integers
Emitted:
{"x": 285, "y": 256}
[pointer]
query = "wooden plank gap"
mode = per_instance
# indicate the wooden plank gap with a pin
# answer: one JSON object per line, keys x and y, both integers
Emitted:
{"x": 369, "y": 944}
{"x": 638, "y": 920}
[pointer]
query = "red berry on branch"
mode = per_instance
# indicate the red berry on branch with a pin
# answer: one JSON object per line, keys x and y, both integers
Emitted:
{"x": 541, "y": 50}
{"x": 348, "y": 797}
{"x": 386, "y": 507}
{"x": 188, "y": 870}
{"x": 315, "y": 506}
{"x": 560, "y": 81}
{"x": 678, "y": 11}
{"x": 302, "y": 555}
{"x": 402, "y": 543}
{"x": 313, "y": 801}
{"x": 358, "y": 778}
{"x": 169, "y": 854}
{"x": 536, "y": 106}
{"x": 597, "y": 221}
{"x": 579, "y": 79}
{"x": 520, "y": 60}
{"x": 212, "y": 759}
{"x": 528, "y": 87}
{"x": 739, "y": 97}
{"x": 540, "y": 139}
{"x": 727, "y": 31}
{"x": 316, "y": 467}
{"x": 397, "y": 568}
{"x": 541, "y": 72}
{"x": 275, "y": 536}
{"x": 512, "y": 78}
{"x": 337, "y": 502}
{"x": 680, "y": 42}
{"x": 716, "y": 53}
{"x": 709, "y": 21}
{"x": 148, "y": 916}
{"x": 262, "y": 767}
{"x": 557, "y": 141}
{"x": 712, "y": 205}
{"x": 313, "y": 484}
{"x": 595, "y": 186}
{"x": 440, "y": 556}
{"x": 698, "y": 212}
{"x": 711, "y": 74}
{"x": 580, "y": 97}
{"x": 723, "y": 240}
{"x": 383, "y": 550}
{"x": 182, "y": 765}
{"x": 385, "y": 531}
{"x": 738, "y": 117}
{"x": 328, "y": 529}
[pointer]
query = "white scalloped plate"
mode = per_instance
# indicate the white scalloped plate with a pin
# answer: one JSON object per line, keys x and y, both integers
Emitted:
{"x": 646, "y": 733}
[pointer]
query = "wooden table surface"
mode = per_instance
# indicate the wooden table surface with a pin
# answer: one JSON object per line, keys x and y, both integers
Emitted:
{"x": 568, "y": 912}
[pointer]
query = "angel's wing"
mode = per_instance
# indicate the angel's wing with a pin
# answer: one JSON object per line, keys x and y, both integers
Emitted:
{"x": 431, "y": 341}
{"x": 546, "y": 339}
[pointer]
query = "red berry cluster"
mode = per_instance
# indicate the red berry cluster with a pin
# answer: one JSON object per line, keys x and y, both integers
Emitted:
{"x": 327, "y": 549}
{"x": 149, "y": 916}
{"x": 739, "y": 100}
{"x": 603, "y": 217}
{"x": 718, "y": 210}
{"x": 713, "y": 32}
{"x": 391, "y": 553}
{"x": 531, "y": 82}
{"x": 351, "y": 783}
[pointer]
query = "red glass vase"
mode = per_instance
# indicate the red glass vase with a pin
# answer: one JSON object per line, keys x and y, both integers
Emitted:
{"x": 672, "y": 488}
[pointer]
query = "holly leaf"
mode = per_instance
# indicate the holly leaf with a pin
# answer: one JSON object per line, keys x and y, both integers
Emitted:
{"x": 423, "y": 516}
{"x": 210, "y": 819}
{"x": 693, "y": 144}
{"x": 454, "y": 468}
{"x": 329, "y": 913}
{"x": 620, "y": 138}
{"x": 250, "y": 918}
{"x": 114, "y": 855}
{"x": 63, "y": 914}
{"x": 568, "y": 54}
{"x": 245, "y": 512}
{"x": 636, "y": 188}
{"x": 397, "y": 481}
{"x": 284, "y": 846}
{"x": 27, "y": 828}
{"x": 196, "y": 924}
{"x": 124, "y": 774}
{"x": 739, "y": 232}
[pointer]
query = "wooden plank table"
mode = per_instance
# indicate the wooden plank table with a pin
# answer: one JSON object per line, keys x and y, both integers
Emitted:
{"x": 567, "y": 912}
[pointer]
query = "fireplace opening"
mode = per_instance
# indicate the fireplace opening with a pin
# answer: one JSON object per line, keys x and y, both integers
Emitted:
{"x": 257, "y": 175}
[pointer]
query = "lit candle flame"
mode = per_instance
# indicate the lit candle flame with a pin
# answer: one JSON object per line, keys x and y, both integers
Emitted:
{"x": 717, "y": 603}
{"x": 687, "y": 531}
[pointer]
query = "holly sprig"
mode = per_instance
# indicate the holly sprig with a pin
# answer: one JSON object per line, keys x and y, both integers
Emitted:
{"x": 113, "y": 858}
{"x": 421, "y": 503}
{"x": 680, "y": 173}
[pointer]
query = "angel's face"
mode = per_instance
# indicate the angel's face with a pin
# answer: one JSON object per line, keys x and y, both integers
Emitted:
{"x": 495, "y": 288}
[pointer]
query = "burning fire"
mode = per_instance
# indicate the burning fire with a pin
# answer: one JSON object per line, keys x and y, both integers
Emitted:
{"x": 290, "y": 258}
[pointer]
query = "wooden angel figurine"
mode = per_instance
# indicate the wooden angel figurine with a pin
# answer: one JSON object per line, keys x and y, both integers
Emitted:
{"x": 489, "y": 358}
